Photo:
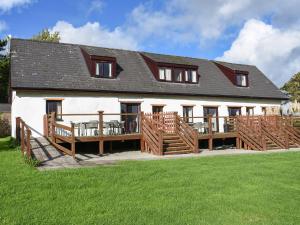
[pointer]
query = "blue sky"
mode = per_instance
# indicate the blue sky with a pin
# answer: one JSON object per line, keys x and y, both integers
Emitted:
{"x": 265, "y": 34}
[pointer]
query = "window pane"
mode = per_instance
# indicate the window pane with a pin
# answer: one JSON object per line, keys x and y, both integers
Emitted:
{"x": 188, "y": 114}
{"x": 168, "y": 74}
{"x": 97, "y": 69}
{"x": 194, "y": 76}
{"x": 188, "y": 76}
{"x": 241, "y": 80}
{"x": 162, "y": 74}
{"x": 54, "y": 106}
{"x": 106, "y": 69}
{"x": 178, "y": 75}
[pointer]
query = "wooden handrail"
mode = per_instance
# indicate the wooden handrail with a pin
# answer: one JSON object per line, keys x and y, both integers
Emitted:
{"x": 152, "y": 136}
{"x": 69, "y": 138}
{"x": 187, "y": 134}
{"x": 24, "y": 133}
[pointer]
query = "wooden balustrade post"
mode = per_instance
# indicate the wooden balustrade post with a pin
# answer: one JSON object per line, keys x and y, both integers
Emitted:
{"x": 160, "y": 142}
{"x": 237, "y": 140}
{"x": 286, "y": 140}
{"x": 142, "y": 142}
{"x": 73, "y": 141}
{"x": 18, "y": 129}
{"x": 28, "y": 145}
{"x": 196, "y": 142}
{"x": 100, "y": 122}
{"x": 46, "y": 125}
{"x": 53, "y": 127}
{"x": 263, "y": 136}
{"x": 101, "y": 142}
{"x": 210, "y": 141}
{"x": 175, "y": 122}
{"x": 22, "y": 137}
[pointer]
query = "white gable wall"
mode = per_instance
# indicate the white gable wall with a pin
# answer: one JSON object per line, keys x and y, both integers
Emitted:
{"x": 31, "y": 105}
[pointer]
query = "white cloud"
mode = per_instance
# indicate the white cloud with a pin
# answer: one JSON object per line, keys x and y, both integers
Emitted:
{"x": 276, "y": 52}
{"x": 94, "y": 34}
{"x": 196, "y": 20}
{"x": 6, "y": 5}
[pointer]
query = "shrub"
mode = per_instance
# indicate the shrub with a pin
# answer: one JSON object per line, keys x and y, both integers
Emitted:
{"x": 4, "y": 127}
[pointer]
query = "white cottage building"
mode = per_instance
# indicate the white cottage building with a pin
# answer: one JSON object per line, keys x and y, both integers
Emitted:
{"x": 71, "y": 79}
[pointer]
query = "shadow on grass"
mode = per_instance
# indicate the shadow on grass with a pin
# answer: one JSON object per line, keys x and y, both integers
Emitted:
{"x": 7, "y": 144}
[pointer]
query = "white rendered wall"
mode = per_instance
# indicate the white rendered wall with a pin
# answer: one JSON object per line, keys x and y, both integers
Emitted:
{"x": 31, "y": 105}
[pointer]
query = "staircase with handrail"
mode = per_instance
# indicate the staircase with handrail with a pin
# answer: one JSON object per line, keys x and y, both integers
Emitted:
{"x": 266, "y": 132}
{"x": 166, "y": 133}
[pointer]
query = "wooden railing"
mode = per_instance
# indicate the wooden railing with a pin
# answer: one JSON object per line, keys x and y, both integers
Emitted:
{"x": 169, "y": 122}
{"x": 187, "y": 133}
{"x": 257, "y": 132}
{"x": 152, "y": 136}
{"x": 250, "y": 132}
{"x": 23, "y": 137}
{"x": 164, "y": 121}
{"x": 98, "y": 124}
{"x": 62, "y": 133}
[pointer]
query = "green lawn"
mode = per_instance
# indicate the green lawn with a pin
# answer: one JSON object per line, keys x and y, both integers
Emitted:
{"x": 246, "y": 189}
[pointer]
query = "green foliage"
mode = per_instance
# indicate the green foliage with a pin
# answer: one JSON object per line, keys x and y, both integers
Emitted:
{"x": 45, "y": 35}
{"x": 3, "y": 43}
{"x": 228, "y": 190}
{"x": 293, "y": 87}
{"x": 31, "y": 162}
{"x": 4, "y": 73}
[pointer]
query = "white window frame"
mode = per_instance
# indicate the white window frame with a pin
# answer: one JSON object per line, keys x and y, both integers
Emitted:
{"x": 98, "y": 69}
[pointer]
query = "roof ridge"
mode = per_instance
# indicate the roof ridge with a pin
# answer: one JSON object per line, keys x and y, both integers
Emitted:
{"x": 135, "y": 51}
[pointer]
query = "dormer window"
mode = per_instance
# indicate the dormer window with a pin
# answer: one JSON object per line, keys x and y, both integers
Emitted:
{"x": 178, "y": 75}
{"x": 165, "y": 74}
{"x": 191, "y": 76}
{"x": 241, "y": 80}
{"x": 173, "y": 72}
{"x": 103, "y": 69}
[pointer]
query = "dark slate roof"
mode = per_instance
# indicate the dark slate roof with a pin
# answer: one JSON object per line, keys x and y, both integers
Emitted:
{"x": 59, "y": 66}
{"x": 5, "y": 107}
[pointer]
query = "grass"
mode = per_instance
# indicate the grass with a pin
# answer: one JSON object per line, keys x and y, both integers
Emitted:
{"x": 245, "y": 189}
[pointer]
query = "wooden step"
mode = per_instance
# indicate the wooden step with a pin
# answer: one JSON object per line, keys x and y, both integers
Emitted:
{"x": 171, "y": 138}
{"x": 175, "y": 144}
{"x": 178, "y": 152}
{"x": 179, "y": 148}
{"x": 169, "y": 141}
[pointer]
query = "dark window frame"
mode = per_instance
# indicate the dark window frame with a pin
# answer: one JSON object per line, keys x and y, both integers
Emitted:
{"x": 157, "y": 107}
{"x": 241, "y": 75}
{"x": 247, "y": 110}
{"x": 186, "y": 117}
{"x": 205, "y": 115}
{"x": 173, "y": 78}
{"x": 238, "y": 108}
{"x": 58, "y": 116}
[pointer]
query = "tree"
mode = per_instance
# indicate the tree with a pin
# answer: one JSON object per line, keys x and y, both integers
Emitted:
{"x": 293, "y": 87}
{"x": 45, "y": 35}
{"x": 4, "y": 71}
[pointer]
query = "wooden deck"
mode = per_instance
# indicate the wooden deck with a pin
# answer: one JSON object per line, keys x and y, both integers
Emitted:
{"x": 168, "y": 133}
{"x": 217, "y": 135}
{"x": 120, "y": 137}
